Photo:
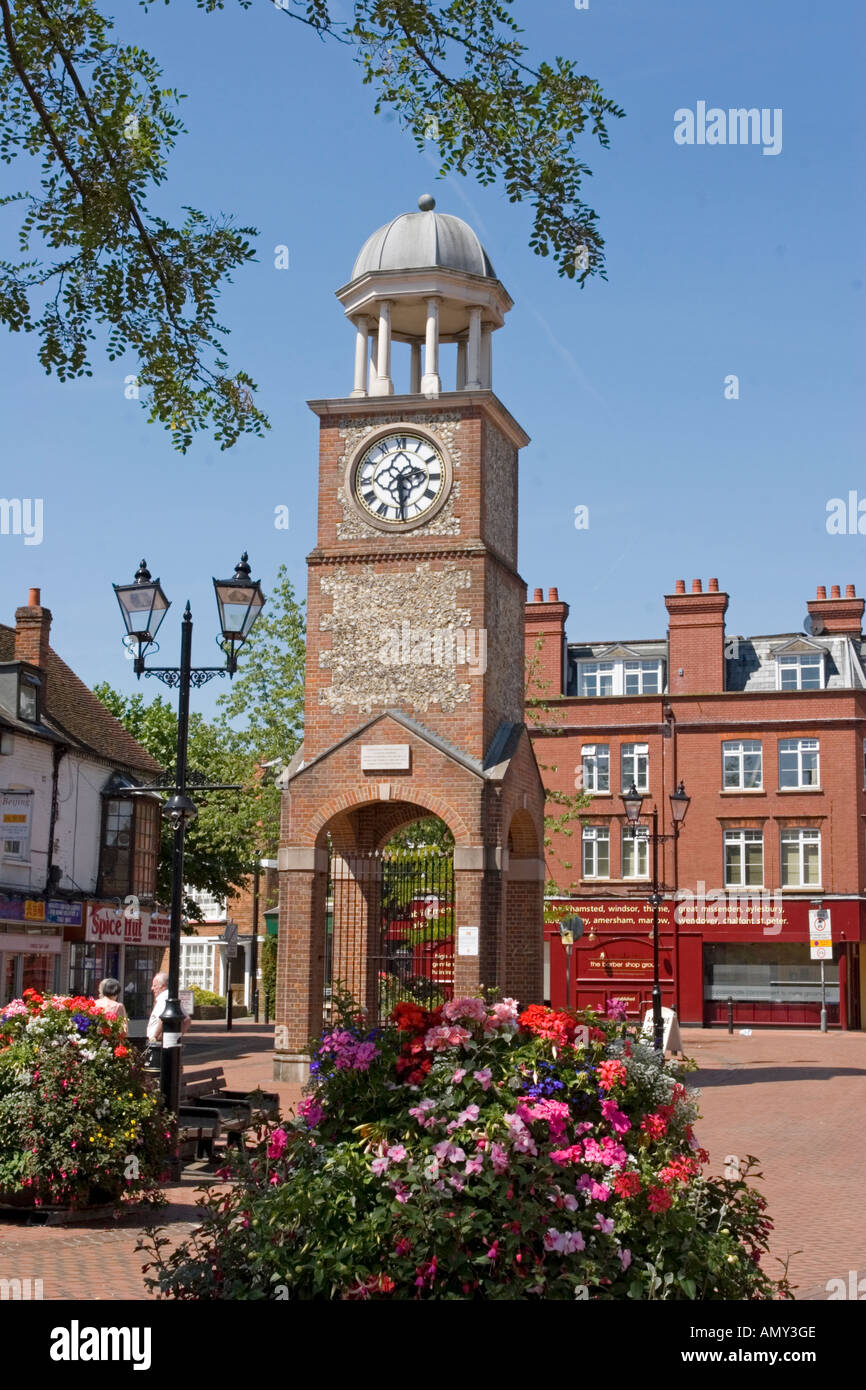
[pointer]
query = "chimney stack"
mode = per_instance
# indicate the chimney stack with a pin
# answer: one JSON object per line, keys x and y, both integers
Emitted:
{"x": 836, "y": 614}
{"x": 544, "y": 635}
{"x": 696, "y": 639}
{"x": 32, "y": 626}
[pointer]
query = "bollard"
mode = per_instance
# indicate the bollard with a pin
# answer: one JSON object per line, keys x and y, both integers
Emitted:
{"x": 730, "y": 1013}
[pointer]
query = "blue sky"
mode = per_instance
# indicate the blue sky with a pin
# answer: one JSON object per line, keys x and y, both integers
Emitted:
{"x": 720, "y": 260}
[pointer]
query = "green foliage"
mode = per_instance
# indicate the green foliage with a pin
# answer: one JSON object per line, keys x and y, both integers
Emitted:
{"x": 554, "y": 1160}
{"x": 72, "y": 1085}
{"x": 219, "y": 845}
{"x": 428, "y": 832}
{"x": 97, "y": 121}
{"x": 206, "y": 999}
{"x": 268, "y": 959}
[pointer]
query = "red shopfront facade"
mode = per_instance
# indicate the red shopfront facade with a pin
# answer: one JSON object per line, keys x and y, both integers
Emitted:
{"x": 754, "y": 954}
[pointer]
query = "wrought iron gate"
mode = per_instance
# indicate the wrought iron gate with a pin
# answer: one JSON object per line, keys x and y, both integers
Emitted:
{"x": 390, "y": 919}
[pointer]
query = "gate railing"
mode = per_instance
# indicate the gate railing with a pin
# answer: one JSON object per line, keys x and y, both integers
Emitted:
{"x": 390, "y": 921}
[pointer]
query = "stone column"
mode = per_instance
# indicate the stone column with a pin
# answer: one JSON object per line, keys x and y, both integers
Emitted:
{"x": 362, "y": 341}
{"x": 487, "y": 355}
{"x": 384, "y": 386}
{"x": 461, "y": 366}
{"x": 473, "y": 365}
{"x": 415, "y": 370}
{"x": 431, "y": 383}
{"x": 374, "y": 352}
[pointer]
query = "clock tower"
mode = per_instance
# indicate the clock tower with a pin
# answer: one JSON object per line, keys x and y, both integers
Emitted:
{"x": 415, "y": 666}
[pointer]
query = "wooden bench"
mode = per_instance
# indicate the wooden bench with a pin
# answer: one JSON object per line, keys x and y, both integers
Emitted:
{"x": 200, "y": 1124}
{"x": 238, "y": 1110}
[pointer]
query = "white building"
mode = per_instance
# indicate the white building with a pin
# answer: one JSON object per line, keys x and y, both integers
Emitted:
{"x": 75, "y": 842}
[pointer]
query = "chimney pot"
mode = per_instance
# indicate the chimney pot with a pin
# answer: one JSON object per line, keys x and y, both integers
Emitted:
{"x": 553, "y": 596}
{"x": 835, "y": 592}
{"x": 713, "y": 586}
{"x": 538, "y": 596}
{"x": 681, "y": 586}
{"x": 696, "y": 586}
{"x": 849, "y": 591}
{"x": 821, "y": 591}
{"x": 33, "y": 598}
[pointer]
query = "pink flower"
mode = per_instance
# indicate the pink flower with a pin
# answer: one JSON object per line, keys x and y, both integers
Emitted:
{"x": 570, "y": 1155}
{"x": 617, "y": 1009}
{"x": 473, "y": 1009}
{"x": 437, "y": 1039}
{"x": 604, "y": 1224}
{"x": 380, "y": 1165}
{"x": 498, "y": 1158}
{"x": 447, "y": 1152}
{"x": 555, "y": 1112}
{"x": 483, "y": 1077}
{"x": 473, "y": 1165}
{"x": 618, "y": 1121}
{"x": 625, "y": 1258}
{"x": 279, "y": 1140}
{"x": 564, "y": 1242}
{"x": 457, "y": 1077}
{"x": 396, "y": 1153}
{"x": 310, "y": 1110}
{"x": 598, "y": 1191}
{"x": 468, "y": 1114}
{"x": 502, "y": 1016}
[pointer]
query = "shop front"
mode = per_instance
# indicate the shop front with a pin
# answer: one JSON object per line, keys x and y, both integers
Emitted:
{"x": 726, "y": 953}
{"x": 31, "y": 944}
{"x": 129, "y": 948}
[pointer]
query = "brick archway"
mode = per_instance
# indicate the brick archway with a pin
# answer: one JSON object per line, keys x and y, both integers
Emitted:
{"x": 336, "y": 813}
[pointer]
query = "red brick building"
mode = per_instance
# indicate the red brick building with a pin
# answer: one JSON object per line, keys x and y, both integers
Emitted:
{"x": 768, "y": 734}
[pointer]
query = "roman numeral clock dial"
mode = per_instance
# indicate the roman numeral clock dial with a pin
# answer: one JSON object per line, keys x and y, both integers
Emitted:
{"x": 400, "y": 481}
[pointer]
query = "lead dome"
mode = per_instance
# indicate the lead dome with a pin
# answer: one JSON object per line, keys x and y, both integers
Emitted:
{"x": 425, "y": 279}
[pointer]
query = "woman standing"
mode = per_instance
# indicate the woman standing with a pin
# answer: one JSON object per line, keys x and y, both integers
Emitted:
{"x": 108, "y": 1002}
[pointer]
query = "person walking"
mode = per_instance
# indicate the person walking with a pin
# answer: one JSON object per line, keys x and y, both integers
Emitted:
{"x": 159, "y": 990}
{"x": 109, "y": 1003}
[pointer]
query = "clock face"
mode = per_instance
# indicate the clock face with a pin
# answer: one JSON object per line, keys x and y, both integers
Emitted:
{"x": 400, "y": 479}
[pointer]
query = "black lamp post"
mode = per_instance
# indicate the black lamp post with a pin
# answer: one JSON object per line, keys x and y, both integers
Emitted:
{"x": 632, "y": 801}
{"x": 144, "y": 605}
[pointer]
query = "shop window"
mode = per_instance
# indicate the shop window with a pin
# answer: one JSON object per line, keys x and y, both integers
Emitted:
{"x": 770, "y": 973}
{"x": 596, "y": 851}
{"x": 596, "y": 767}
{"x": 634, "y": 766}
{"x": 744, "y": 859}
{"x": 798, "y": 762}
{"x": 742, "y": 765}
{"x": 801, "y": 858}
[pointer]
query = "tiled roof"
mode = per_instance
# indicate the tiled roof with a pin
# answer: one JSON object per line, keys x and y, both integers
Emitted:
{"x": 76, "y": 713}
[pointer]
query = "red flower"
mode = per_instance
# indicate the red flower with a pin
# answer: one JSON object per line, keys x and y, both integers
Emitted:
{"x": 626, "y": 1185}
{"x": 121, "y": 1051}
{"x": 611, "y": 1074}
{"x": 658, "y": 1199}
{"x": 655, "y": 1125}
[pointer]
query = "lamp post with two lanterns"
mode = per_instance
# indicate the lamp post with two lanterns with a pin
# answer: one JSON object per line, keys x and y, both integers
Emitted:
{"x": 144, "y": 606}
{"x": 632, "y": 801}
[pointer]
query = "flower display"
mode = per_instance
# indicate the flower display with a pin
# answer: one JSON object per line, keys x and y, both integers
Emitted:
{"x": 481, "y": 1153}
{"x": 95, "y": 1133}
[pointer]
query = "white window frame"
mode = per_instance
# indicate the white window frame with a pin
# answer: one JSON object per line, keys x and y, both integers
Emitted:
{"x": 599, "y": 672}
{"x": 736, "y": 751}
{"x": 642, "y": 668}
{"x": 614, "y": 674}
{"x": 796, "y": 661}
{"x": 804, "y": 835}
{"x": 635, "y": 752}
{"x": 590, "y": 837}
{"x": 595, "y": 765}
{"x": 200, "y": 946}
{"x": 742, "y": 836}
{"x": 638, "y": 837}
{"x": 799, "y": 747}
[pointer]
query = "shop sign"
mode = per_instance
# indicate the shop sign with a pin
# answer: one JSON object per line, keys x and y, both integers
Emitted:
{"x": 105, "y": 923}
{"x": 159, "y": 932}
{"x": 58, "y": 913}
{"x": 108, "y": 922}
{"x": 63, "y": 914}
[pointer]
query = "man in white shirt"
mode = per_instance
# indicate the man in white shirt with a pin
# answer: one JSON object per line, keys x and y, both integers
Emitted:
{"x": 159, "y": 990}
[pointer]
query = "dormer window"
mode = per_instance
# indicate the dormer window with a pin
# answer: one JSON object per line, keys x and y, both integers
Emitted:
{"x": 801, "y": 671}
{"x": 620, "y": 672}
{"x": 28, "y": 697}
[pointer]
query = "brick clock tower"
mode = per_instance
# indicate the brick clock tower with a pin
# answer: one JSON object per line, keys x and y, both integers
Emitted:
{"x": 415, "y": 648}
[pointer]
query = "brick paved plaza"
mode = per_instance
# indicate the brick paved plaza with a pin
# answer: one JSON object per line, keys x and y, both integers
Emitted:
{"x": 796, "y": 1099}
